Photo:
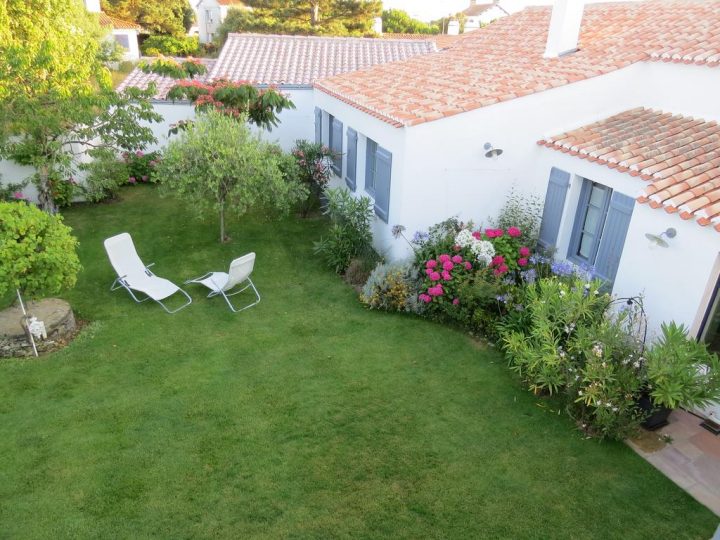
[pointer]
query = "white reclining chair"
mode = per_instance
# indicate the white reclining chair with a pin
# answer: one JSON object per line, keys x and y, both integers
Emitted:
{"x": 221, "y": 283}
{"x": 133, "y": 275}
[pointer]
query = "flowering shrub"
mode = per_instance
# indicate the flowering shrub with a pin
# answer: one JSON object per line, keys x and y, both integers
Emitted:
{"x": 141, "y": 166}
{"x": 572, "y": 345}
{"x": 313, "y": 160}
{"x": 13, "y": 192}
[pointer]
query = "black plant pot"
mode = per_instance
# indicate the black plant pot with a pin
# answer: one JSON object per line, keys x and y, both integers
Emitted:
{"x": 657, "y": 416}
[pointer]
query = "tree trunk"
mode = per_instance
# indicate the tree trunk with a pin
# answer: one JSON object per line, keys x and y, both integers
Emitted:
{"x": 222, "y": 222}
{"x": 315, "y": 13}
{"x": 45, "y": 198}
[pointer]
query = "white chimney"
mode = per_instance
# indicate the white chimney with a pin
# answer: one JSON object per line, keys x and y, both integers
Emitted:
{"x": 564, "y": 28}
{"x": 93, "y": 6}
{"x": 453, "y": 28}
{"x": 377, "y": 25}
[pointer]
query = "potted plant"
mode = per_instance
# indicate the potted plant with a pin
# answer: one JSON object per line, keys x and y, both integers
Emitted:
{"x": 681, "y": 372}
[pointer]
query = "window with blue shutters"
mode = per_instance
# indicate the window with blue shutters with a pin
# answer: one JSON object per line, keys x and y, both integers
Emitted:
{"x": 557, "y": 189}
{"x": 601, "y": 224}
{"x": 370, "y": 153}
{"x": 351, "y": 169}
{"x": 378, "y": 173}
{"x": 318, "y": 125}
{"x": 335, "y": 144}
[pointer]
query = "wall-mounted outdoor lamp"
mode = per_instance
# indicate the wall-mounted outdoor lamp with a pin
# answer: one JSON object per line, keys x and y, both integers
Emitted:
{"x": 491, "y": 152}
{"x": 658, "y": 240}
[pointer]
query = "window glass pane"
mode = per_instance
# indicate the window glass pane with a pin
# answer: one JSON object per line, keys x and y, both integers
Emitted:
{"x": 586, "y": 244}
{"x": 592, "y": 219}
{"x": 597, "y": 196}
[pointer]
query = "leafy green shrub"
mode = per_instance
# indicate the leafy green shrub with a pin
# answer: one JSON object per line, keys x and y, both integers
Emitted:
{"x": 573, "y": 346}
{"x": 392, "y": 287}
{"x": 359, "y": 270}
{"x": 681, "y": 372}
{"x": 141, "y": 166}
{"x": 170, "y": 45}
{"x": 105, "y": 174}
{"x": 350, "y": 235}
{"x": 62, "y": 190}
{"x": 37, "y": 251}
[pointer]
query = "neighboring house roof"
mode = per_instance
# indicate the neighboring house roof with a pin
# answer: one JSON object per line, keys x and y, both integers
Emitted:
{"x": 163, "y": 84}
{"x": 442, "y": 41}
{"x": 477, "y": 9}
{"x": 505, "y": 60}
{"x": 300, "y": 60}
{"x": 679, "y": 156}
{"x": 118, "y": 24}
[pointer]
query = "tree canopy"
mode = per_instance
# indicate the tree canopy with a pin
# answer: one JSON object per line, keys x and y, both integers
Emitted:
{"x": 217, "y": 165}
{"x": 171, "y": 17}
{"x": 55, "y": 96}
{"x": 310, "y": 17}
{"x": 398, "y": 21}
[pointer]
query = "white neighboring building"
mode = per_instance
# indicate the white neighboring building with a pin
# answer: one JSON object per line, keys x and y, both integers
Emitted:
{"x": 480, "y": 14}
{"x": 210, "y": 15}
{"x": 125, "y": 33}
{"x": 289, "y": 63}
{"x": 414, "y": 137}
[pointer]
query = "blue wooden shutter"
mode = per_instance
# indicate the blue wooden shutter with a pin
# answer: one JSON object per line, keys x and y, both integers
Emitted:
{"x": 554, "y": 204}
{"x": 318, "y": 125}
{"x": 336, "y": 145}
{"x": 370, "y": 151}
{"x": 351, "y": 173}
{"x": 613, "y": 238}
{"x": 383, "y": 173}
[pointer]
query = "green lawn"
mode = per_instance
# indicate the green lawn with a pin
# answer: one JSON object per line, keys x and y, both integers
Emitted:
{"x": 306, "y": 416}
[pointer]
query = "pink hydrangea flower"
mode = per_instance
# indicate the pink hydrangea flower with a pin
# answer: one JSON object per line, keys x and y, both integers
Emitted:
{"x": 144, "y": 178}
{"x": 497, "y": 260}
{"x": 444, "y": 258}
{"x": 522, "y": 261}
{"x": 18, "y": 195}
{"x": 429, "y": 271}
{"x": 448, "y": 265}
{"x": 446, "y": 275}
{"x": 524, "y": 251}
{"x": 456, "y": 248}
{"x": 425, "y": 298}
{"x": 456, "y": 301}
{"x": 435, "y": 276}
{"x": 435, "y": 291}
{"x": 139, "y": 154}
{"x": 468, "y": 266}
{"x": 514, "y": 232}
{"x": 477, "y": 235}
{"x": 503, "y": 268}
{"x": 132, "y": 180}
{"x": 499, "y": 233}
{"x": 457, "y": 259}
{"x": 432, "y": 263}
{"x": 490, "y": 233}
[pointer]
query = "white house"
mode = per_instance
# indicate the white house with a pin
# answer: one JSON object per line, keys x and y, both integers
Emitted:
{"x": 210, "y": 15}
{"x": 289, "y": 63}
{"x": 613, "y": 123}
{"x": 125, "y": 33}
{"x": 480, "y": 14}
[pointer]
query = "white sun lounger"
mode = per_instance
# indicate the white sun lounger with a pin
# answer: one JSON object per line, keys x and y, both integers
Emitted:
{"x": 221, "y": 283}
{"x": 134, "y": 276}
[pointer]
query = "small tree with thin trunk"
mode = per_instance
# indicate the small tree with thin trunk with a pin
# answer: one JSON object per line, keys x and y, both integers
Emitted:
{"x": 218, "y": 165}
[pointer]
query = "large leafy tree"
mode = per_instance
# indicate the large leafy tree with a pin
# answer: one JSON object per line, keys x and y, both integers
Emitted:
{"x": 316, "y": 17}
{"x": 171, "y": 17}
{"x": 56, "y": 101}
{"x": 218, "y": 165}
{"x": 398, "y": 21}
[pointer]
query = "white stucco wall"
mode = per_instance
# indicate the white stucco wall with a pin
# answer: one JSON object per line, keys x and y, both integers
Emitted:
{"x": 439, "y": 170}
{"x": 12, "y": 173}
{"x": 122, "y": 36}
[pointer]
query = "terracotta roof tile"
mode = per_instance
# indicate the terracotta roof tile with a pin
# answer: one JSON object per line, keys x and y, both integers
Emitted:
{"x": 109, "y": 20}
{"x": 139, "y": 79}
{"x": 300, "y": 60}
{"x": 679, "y": 156}
{"x": 505, "y": 59}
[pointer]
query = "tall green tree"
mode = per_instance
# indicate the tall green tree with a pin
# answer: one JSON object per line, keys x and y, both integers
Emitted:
{"x": 312, "y": 17}
{"x": 171, "y": 17}
{"x": 217, "y": 165}
{"x": 400, "y": 22}
{"x": 56, "y": 101}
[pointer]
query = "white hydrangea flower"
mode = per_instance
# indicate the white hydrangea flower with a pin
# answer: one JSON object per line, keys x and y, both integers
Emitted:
{"x": 483, "y": 250}
{"x": 464, "y": 238}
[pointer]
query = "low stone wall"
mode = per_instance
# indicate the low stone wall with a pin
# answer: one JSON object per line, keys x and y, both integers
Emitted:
{"x": 59, "y": 324}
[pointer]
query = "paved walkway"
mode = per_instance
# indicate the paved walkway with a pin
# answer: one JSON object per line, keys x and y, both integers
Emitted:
{"x": 692, "y": 460}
